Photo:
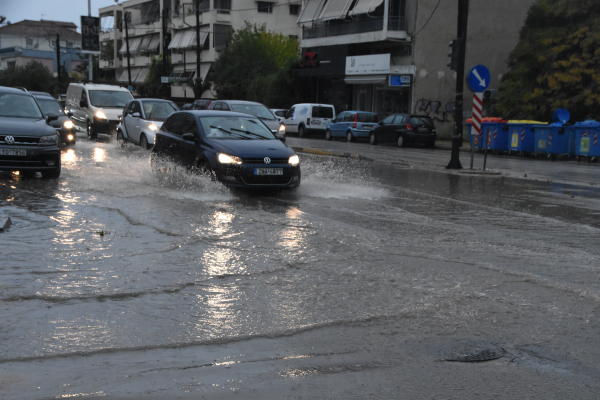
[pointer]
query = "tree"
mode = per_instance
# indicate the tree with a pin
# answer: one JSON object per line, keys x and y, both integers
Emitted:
{"x": 556, "y": 63}
{"x": 256, "y": 65}
{"x": 152, "y": 87}
{"x": 33, "y": 76}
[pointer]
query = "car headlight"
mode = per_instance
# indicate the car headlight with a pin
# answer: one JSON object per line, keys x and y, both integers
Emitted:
{"x": 153, "y": 127}
{"x": 294, "y": 160}
{"x": 100, "y": 115}
{"x": 68, "y": 125}
{"x": 227, "y": 159}
{"x": 281, "y": 129}
{"x": 50, "y": 140}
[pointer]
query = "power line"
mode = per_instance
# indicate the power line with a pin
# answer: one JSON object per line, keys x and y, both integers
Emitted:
{"x": 428, "y": 19}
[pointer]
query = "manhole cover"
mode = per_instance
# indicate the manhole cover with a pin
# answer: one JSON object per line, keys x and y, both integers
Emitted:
{"x": 484, "y": 355}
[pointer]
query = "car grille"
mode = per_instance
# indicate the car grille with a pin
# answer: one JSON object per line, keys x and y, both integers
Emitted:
{"x": 22, "y": 140}
{"x": 262, "y": 160}
{"x": 266, "y": 180}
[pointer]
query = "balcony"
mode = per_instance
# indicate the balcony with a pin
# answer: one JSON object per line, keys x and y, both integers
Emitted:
{"x": 326, "y": 29}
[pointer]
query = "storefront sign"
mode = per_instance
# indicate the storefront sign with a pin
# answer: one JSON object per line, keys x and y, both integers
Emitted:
{"x": 90, "y": 34}
{"x": 366, "y": 65}
{"x": 400, "y": 80}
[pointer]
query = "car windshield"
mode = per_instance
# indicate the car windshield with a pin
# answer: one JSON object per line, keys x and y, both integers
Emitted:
{"x": 238, "y": 128}
{"x": 258, "y": 110}
{"x": 367, "y": 117}
{"x": 109, "y": 98}
{"x": 158, "y": 110}
{"x": 50, "y": 106}
{"x": 21, "y": 106}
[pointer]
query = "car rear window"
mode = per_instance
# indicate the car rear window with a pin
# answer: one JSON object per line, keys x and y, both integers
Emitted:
{"x": 367, "y": 117}
{"x": 322, "y": 112}
{"x": 417, "y": 121}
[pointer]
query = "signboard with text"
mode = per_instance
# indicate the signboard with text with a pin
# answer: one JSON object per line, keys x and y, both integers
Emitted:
{"x": 90, "y": 34}
{"x": 368, "y": 65}
{"x": 400, "y": 80}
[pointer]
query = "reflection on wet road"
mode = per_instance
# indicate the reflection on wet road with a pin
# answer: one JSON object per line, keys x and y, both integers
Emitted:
{"x": 360, "y": 268}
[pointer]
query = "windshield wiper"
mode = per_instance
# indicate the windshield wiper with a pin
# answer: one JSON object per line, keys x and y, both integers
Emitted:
{"x": 250, "y": 133}
{"x": 230, "y": 133}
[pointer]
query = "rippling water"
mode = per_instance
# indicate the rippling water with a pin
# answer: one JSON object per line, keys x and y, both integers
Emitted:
{"x": 110, "y": 259}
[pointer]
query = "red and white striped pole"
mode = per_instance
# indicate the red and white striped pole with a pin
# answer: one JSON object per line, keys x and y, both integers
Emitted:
{"x": 476, "y": 118}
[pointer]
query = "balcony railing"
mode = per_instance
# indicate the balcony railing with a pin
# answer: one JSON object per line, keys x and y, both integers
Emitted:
{"x": 327, "y": 29}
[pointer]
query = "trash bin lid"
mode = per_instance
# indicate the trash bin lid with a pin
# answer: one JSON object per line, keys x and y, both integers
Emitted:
{"x": 515, "y": 121}
{"x": 590, "y": 123}
{"x": 561, "y": 115}
{"x": 493, "y": 120}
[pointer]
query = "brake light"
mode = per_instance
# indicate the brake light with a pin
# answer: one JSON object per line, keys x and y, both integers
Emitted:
{"x": 207, "y": 104}
{"x": 307, "y": 121}
{"x": 433, "y": 129}
{"x": 409, "y": 127}
{"x": 355, "y": 120}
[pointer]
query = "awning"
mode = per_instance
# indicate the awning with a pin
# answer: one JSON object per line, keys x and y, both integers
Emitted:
{"x": 365, "y": 79}
{"x": 186, "y": 39}
{"x": 134, "y": 74}
{"x": 310, "y": 11}
{"x": 176, "y": 39}
{"x": 145, "y": 42}
{"x": 142, "y": 75}
{"x": 335, "y": 9}
{"x": 154, "y": 42}
{"x": 191, "y": 71}
{"x": 134, "y": 43}
{"x": 365, "y": 6}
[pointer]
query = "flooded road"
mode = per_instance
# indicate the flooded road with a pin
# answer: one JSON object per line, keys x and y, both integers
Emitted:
{"x": 356, "y": 285}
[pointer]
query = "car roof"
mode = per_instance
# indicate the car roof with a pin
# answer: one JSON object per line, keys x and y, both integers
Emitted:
{"x": 43, "y": 97}
{"x": 215, "y": 113}
{"x": 151, "y": 99}
{"x": 40, "y": 94}
{"x": 240, "y": 102}
{"x": 6, "y": 89}
{"x": 363, "y": 112}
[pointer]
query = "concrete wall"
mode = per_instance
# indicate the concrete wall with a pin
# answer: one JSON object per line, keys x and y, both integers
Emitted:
{"x": 493, "y": 32}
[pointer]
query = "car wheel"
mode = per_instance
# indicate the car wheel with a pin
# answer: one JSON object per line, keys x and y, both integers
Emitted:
{"x": 91, "y": 132}
{"x": 400, "y": 140}
{"x": 143, "y": 142}
{"x": 372, "y": 139}
{"x": 120, "y": 138}
{"x": 350, "y": 137}
{"x": 328, "y": 135}
{"x": 301, "y": 131}
{"x": 52, "y": 174}
{"x": 204, "y": 169}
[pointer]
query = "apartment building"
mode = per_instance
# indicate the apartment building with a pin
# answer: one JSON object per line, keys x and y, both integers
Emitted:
{"x": 26, "y": 41}
{"x": 179, "y": 40}
{"x": 391, "y": 55}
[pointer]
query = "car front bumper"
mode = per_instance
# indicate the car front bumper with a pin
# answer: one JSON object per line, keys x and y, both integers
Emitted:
{"x": 245, "y": 176}
{"x": 36, "y": 159}
{"x": 105, "y": 126}
{"x": 67, "y": 135}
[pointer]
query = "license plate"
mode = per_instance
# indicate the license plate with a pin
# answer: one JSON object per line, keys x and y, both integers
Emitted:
{"x": 268, "y": 171}
{"x": 423, "y": 130}
{"x": 315, "y": 122}
{"x": 5, "y": 152}
{"x": 367, "y": 126}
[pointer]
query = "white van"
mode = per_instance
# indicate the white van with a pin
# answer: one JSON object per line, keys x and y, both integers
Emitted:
{"x": 96, "y": 108}
{"x": 308, "y": 118}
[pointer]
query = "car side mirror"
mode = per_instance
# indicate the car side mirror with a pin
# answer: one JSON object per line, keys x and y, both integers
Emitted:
{"x": 69, "y": 114}
{"x": 83, "y": 103}
{"x": 51, "y": 117}
{"x": 281, "y": 137}
{"x": 136, "y": 115}
{"x": 190, "y": 137}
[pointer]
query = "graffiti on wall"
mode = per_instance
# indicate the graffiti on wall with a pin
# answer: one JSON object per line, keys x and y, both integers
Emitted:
{"x": 433, "y": 109}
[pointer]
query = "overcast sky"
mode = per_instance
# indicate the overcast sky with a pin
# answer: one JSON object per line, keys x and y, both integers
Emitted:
{"x": 55, "y": 10}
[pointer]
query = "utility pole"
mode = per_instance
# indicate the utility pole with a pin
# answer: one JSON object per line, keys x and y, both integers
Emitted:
{"x": 197, "y": 95}
{"x": 463, "y": 14}
{"x": 90, "y": 63}
{"x": 127, "y": 47}
{"x": 58, "y": 59}
{"x": 165, "y": 47}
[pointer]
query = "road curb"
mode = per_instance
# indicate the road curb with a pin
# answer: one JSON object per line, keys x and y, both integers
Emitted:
{"x": 476, "y": 172}
{"x": 331, "y": 153}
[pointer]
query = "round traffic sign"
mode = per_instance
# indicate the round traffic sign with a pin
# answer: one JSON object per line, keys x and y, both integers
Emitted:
{"x": 479, "y": 78}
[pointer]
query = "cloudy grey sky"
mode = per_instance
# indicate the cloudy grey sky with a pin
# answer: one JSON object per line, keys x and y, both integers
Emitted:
{"x": 56, "y": 10}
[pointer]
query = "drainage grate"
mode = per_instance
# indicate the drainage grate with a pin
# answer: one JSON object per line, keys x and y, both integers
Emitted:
{"x": 484, "y": 355}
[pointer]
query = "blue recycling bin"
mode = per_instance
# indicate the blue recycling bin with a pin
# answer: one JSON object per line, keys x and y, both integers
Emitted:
{"x": 586, "y": 138}
{"x": 497, "y": 134}
{"x": 521, "y": 136}
{"x": 475, "y": 141}
{"x": 490, "y": 128}
{"x": 554, "y": 139}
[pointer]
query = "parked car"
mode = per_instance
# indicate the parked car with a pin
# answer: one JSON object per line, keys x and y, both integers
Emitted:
{"x": 63, "y": 125}
{"x": 351, "y": 125}
{"x": 62, "y": 99}
{"x": 186, "y": 106}
{"x": 249, "y": 107}
{"x": 308, "y": 118}
{"x": 96, "y": 108}
{"x": 237, "y": 149}
{"x": 27, "y": 141}
{"x": 39, "y": 93}
{"x": 141, "y": 119}
{"x": 200, "y": 104}
{"x": 279, "y": 113}
{"x": 403, "y": 129}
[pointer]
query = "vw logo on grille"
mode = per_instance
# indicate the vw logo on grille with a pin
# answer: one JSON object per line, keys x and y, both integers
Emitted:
{"x": 267, "y": 160}
{"x": 9, "y": 139}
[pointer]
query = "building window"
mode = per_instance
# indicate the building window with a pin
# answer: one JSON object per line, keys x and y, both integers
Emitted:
{"x": 11, "y": 64}
{"x": 29, "y": 43}
{"x": 294, "y": 9}
{"x": 222, "y": 6}
{"x": 293, "y": 37}
{"x": 265, "y": 7}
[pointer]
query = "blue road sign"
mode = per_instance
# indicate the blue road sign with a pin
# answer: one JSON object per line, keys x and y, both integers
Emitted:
{"x": 479, "y": 78}
{"x": 130, "y": 88}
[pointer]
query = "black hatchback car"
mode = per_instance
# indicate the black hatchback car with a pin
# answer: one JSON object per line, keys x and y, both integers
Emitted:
{"x": 27, "y": 141}
{"x": 63, "y": 125}
{"x": 237, "y": 149}
{"x": 403, "y": 129}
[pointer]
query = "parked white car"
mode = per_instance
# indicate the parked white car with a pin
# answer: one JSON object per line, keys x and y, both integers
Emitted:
{"x": 141, "y": 119}
{"x": 308, "y": 118}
